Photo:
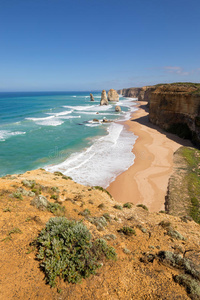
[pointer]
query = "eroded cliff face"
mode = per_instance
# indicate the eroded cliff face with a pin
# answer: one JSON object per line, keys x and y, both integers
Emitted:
{"x": 143, "y": 93}
{"x": 131, "y": 92}
{"x": 176, "y": 108}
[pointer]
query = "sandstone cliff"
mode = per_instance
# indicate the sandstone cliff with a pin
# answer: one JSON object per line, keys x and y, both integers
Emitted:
{"x": 113, "y": 95}
{"x": 176, "y": 108}
{"x": 143, "y": 93}
{"x": 130, "y": 92}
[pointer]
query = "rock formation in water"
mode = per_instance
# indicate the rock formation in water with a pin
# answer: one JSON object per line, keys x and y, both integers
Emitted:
{"x": 118, "y": 108}
{"x": 104, "y": 100}
{"x": 91, "y": 97}
{"x": 113, "y": 95}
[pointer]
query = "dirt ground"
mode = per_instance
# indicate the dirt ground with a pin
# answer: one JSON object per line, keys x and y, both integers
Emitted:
{"x": 130, "y": 277}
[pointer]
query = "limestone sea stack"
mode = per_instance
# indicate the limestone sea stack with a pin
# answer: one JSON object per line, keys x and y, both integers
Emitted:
{"x": 104, "y": 100}
{"x": 118, "y": 108}
{"x": 113, "y": 95}
{"x": 91, "y": 97}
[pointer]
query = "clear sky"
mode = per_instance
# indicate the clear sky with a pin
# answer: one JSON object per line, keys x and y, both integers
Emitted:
{"x": 52, "y": 45}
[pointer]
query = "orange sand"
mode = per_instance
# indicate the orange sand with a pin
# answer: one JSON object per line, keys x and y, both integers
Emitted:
{"x": 146, "y": 180}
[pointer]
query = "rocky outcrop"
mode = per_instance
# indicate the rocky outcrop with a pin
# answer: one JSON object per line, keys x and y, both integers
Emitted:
{"x": 176, "y": 108}
{"x": 91, "y": 97}
{"x": 130, "y": 92}
{"x": 104, "y": 100}
{"x": 143, "y": 93}
{"x": 118, "y": 108}
{"x": 113, "y": 95}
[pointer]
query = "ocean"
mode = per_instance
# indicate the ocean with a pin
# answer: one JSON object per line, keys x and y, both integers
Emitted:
{"x": 56, "y": 131}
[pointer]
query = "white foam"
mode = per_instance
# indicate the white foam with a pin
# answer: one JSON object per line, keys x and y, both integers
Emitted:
{"x": 93, "y": 124}
{"x": 95, "y": 113}
{"x": 70, "y": 117}
{"x": 89, "y": 107}
{"x": 103, "y": 161}
{"x": 62, "y": 113}
{"x": 4, "y": 134}
{"x": 48, "y": 121}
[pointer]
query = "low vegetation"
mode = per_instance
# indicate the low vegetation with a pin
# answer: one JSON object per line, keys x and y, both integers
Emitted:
{"x": 127, "y": 230}
{"x": 66, "y": 250}
{"x": 143, "y": 206}
{"x": 184, "y": 199}
{"x": 102, "y": 189}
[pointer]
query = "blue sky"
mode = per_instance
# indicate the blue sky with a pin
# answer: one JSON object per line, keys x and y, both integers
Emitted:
{"x": 52, "y": 45}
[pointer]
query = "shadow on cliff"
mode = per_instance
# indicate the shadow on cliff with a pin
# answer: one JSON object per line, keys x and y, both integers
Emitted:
{"x": 145, "y": 121}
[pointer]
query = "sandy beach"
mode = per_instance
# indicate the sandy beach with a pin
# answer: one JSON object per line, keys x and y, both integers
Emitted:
{"x": 146, "y": 180}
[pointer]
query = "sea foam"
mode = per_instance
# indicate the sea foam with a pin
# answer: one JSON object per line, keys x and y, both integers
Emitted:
{"x": 99, "y": 164}
{"x": 5, "y": 134}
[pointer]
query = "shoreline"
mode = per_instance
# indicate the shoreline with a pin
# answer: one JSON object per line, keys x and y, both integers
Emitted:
{"x": 146, "y": 181}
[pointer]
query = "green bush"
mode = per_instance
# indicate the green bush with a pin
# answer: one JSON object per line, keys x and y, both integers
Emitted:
{"x": 127, "y": 230}
{"x": 128, "y": 205}
{"x": 56, "y": 209}
{"x": 107, "y": 217}
{"x": 65, "y": 249}
{"x": 55, "y": 197}
{"x": 143, "y": 206}
{"x": 102, "y": 189}
{"x": 116, "y": 206}
{"x": 85, "y": 213}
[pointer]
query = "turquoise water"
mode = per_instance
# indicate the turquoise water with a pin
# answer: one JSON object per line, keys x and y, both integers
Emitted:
{"x": 56, "y": 131}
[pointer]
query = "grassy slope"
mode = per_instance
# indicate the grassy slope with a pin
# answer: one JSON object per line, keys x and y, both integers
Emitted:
{"x": 184, "y": 186}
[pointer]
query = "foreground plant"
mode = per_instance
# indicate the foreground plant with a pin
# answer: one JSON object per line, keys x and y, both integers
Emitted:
{"x": 65, "y": 249}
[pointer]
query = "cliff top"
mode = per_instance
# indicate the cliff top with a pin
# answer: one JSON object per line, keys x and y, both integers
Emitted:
{"x": 155, "y": 251}
{"x": 179, "y": 87}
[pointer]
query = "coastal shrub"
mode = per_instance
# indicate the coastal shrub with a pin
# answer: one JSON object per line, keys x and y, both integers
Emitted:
{"x": 66, "y": 250}
{"x": 128, "y": 205}
{"x": 107, "y": 217}
{"x": 28, "y": 183}
{"x": 7, "y": 209}
{"x": 66, "y": 177}
{"x": 42, "y": 203}
{"x": 143, "y": 206}
{"x": 57, "y": 173}
{"x": 102, "y": 189}
{"x": 191, "y": 285}
{"x": 99, "y": 222}
{"x": 55, "y": 197}
{"x": 177, "y": 261}
{"x": 56, "y": 209}
{"x": 116, "y": 206}
{"x": 101, "y": 206}
{"x": 17, "y": 195}
{"x": 85, "y": 213}
{"x": 127, "y": 230}
{"x": 55, "y": 189}
{"x": 14, "y": 230}
{"x": 25, "y": 193}
{"x": 170, "y": 231}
